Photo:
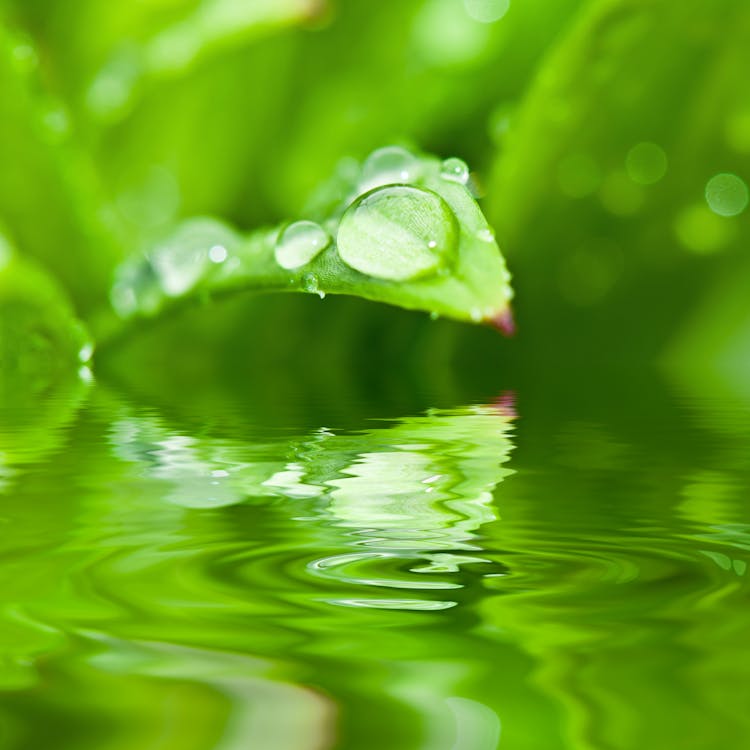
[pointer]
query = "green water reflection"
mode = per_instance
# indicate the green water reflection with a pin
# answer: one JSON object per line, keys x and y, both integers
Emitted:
{"x": 449, "y": 579}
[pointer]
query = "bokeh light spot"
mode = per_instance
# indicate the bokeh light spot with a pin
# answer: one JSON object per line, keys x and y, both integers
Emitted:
{"x": 646, "y": 163}
{"x": 727, "y": 194}
{"x": 701, "y": 231}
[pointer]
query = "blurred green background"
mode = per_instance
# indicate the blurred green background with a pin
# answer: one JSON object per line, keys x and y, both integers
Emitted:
{"x": 168, "y": 519}
{"x": 610, "y": 141}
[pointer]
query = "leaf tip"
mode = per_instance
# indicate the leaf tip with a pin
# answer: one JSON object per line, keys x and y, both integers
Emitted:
{"x": 503, "y": 322}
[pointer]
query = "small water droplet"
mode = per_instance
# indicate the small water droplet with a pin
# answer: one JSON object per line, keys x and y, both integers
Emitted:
{"x": 476, "y": 314}
{"x": 218, "y": 254}
{"x": 434, "y": 315}
{"x": 455, "y": 170}
{"x": 398, "y": 233}
{"x": 299, "y": 243}
{"x": 310, "y": 282}
{"x": 486, "y": 235}
{"x": 388, "y": 166}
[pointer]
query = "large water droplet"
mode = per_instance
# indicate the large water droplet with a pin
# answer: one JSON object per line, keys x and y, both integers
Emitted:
{"x": 299, "y": 243}
{"x": 398, "y": 233}
{"x": 388, "y": 166}
{"x": 455, "y": 170}
{"x": 184, "y": 258}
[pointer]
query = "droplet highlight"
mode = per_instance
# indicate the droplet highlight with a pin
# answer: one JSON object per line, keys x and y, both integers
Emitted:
{"x": 398, "y": 233}
{"x": 299, "y": 243}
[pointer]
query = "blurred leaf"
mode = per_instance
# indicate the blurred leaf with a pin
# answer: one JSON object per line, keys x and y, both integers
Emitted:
{"x": 42, "y": 347}
{"x": 600, "y": 192}
{"x": 175, "y": 48}
{"x": 40, "y": 336}
{"x": 49, "y": 192}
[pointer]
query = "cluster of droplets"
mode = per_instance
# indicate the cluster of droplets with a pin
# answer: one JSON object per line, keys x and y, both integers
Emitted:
{"x": 393, "y": 231}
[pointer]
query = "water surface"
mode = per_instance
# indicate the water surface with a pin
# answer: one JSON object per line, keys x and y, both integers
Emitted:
{"x": 563, "y": 567}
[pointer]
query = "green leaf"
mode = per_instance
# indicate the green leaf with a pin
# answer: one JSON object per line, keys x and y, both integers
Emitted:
{"x": 40, "y": 337}
{"x": 401, "y": 229}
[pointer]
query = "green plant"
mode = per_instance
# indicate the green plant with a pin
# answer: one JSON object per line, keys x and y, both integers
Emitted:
{"x": 401, "y": 229}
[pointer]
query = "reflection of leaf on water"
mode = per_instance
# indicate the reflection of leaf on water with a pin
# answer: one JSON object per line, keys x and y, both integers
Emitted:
{"x": 41, "y": 348}
{"x": 415, "y": 491}
{"x": 425, "y": 481}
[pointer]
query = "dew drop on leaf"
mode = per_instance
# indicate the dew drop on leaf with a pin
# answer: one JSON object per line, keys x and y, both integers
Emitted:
{"x": 455, "y": 170}
{"x": 398, "y": 233}
{"x": 388, "y": 166}
{"x": 310, "y": 283}
{"x": 182, "y": 260}
{"x": 299, "y": 243}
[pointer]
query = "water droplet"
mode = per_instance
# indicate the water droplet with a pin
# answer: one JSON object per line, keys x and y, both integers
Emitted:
{"x": 727, "y": 194}
{"x": 486, "y": 235}
{"x": 455, "y": 170}
{"x": 646, "y": 163}
{"x": 218, "y": 254}
{"x": 388, "y": 166}
{"x": 310, "y": 283}
{"x": 434, "y": 315}
{"x": 388, "y": 233}
{"x": 299, "y": 243}
{"x": 182, "y": 260}
{"x": 476, "y": 314}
